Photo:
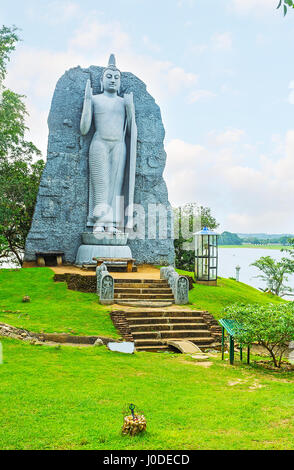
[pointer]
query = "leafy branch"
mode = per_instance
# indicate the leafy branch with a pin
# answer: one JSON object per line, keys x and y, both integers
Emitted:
{"x": 285, "y": 4}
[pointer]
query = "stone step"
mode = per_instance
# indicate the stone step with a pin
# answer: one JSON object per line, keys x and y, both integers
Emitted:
{"x": 144, "y": 296}
{"x": 145, "y": 303}
{"x": 163, "y": 290}
{"x": 202, "y": 342}
{"x": 158, "y": 348}
{"x": 159, "y": 335}
{"x": 161, "y": 320}
{"x": 168, "y": 327}
{"x": 140, "y": 285}
{"x": 140, "y": 281}
{"x": 164, "y": 313}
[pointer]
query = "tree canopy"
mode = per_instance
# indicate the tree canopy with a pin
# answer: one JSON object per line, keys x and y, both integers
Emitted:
{"x": 20, "y": 164}
{"x": 188, "y": 219}
{"x": 285, "y": 4}
{"x": 270, "y": 325}
{"x": 275, "y": 274}
{"x": 228, "y": 238}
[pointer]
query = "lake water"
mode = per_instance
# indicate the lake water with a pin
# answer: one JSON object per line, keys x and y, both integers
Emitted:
{"x": 229, "y": 258}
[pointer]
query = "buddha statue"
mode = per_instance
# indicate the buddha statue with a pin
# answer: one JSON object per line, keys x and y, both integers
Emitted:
{"x": 112, "y": 153}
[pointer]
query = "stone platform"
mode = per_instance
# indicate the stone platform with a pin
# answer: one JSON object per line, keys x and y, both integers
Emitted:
{"x": 144, "y": 271}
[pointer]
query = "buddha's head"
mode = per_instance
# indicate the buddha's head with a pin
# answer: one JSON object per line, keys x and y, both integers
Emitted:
{"x": 110, "y": 80}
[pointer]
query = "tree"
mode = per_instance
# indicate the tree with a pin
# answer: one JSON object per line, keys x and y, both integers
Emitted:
{"x": 284, "y": 240}
{"x": 274, "y": 274}
{"x": 228, "y": 238}
{"x": 289, "y": 261}
{"x": 19, "y": 183}
{"x": 8, "y": 39}
{"x": 285, "y": 4}
{"x": 270, "y": 325}
{"x": 19, "y": 174}
{"x": 188, "y": 219}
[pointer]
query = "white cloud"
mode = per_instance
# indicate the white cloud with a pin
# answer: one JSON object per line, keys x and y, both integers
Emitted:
{"x": 35, "y": 71}
{"x": 243, "y": 198}
{"x": 222, "y": 41}
{"x": 197, "y": 95}
{"x": 262, "y": 39}
{"x": 218, "y": 42}
{"x": 183, "y": 3}
{"x": 229, "y": 136}
{"x": 54, "y": 12}
{"x": 151, "y": 45}
{"x": 258, "y": 7}
{"x": 38, "y": 132}
{"x": 198, "y": 48}
{"x": 178, "y": 77}
{"x": 291, "y": 94}
{"x": 92, "y": 32}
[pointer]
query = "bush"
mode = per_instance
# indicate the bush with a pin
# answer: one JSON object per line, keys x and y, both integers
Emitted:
{"x": 270, "y": 325}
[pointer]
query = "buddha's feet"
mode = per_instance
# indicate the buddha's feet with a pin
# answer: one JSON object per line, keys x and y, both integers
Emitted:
{"x": 112, "y": 229}
{"x": 99, "y": 229}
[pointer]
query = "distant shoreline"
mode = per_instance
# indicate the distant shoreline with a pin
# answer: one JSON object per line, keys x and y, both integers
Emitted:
{"x": 265, "y": 247}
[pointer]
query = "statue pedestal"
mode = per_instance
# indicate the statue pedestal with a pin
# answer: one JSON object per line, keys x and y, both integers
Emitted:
{"x": 102, "y": 245}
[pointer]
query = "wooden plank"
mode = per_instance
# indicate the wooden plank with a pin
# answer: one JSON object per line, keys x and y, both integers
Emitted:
{"x": 112, "y": 260}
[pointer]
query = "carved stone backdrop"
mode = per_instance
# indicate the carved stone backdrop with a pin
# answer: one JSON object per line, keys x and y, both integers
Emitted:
{"x": 62, "y": 204}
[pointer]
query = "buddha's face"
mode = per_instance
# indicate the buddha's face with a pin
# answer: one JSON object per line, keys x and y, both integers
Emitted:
{"x": 111, "y": 80}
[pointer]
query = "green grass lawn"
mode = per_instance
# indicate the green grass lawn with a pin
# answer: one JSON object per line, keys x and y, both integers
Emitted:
{"x": 66, "y": 399}
{"x": 53, "y": 308}
{"x": 228, "y": 291}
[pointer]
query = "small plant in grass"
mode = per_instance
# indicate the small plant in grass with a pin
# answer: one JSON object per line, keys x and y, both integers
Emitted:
{"x": 270, "y": 325}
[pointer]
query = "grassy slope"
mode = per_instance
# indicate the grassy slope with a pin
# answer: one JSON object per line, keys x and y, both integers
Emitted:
{"x": 53, "y": 308}
{"x": 65, "y": 399}
{"x": 228, "y": 291}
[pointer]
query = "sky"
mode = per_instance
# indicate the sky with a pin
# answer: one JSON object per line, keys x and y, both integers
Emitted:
{"x": 222, "y": 73}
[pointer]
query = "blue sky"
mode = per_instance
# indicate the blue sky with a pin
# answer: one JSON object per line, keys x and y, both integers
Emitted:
{"x": 221, "y": 71}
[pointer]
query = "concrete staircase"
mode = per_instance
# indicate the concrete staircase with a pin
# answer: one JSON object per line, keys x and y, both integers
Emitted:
{"x": 151, "y": 329}
{"x": 140, "y": 292}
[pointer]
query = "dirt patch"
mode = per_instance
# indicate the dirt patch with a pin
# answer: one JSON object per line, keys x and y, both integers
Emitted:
{"x": 145, "y": 271}
{"x": 77, "y": 282}
{"x": 285, "y": 366}
{"x": 255, "y": 385}
{"x": 45, "y": 338}
{"x": 205, "y": 364}
{"x": 232, "y": 383}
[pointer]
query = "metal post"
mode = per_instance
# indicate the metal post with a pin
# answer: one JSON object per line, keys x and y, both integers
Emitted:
{"x": 248, "y": 355}
{"x": 238, "y": 273}
{"x": 232, "y": 350}
{"x": 223, "y": 343}
{"x": 241, "y": 353}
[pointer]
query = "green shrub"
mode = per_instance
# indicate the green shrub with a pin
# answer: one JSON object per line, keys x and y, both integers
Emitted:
{"x": 270, "y": 325}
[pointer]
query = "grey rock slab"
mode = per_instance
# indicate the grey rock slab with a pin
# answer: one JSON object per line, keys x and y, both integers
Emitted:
{"x": 61, "y": 210}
